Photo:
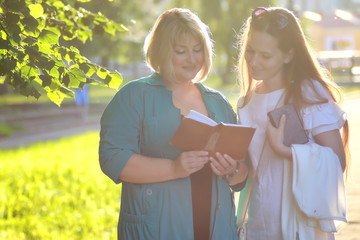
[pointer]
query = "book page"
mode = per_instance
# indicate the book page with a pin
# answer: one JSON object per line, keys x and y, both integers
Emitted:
{"x": 237, "y": 125}
{"x": 201, "y": 118}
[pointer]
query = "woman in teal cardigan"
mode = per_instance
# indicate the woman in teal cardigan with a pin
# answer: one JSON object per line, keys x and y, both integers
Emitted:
{"x": 158, "y": 199}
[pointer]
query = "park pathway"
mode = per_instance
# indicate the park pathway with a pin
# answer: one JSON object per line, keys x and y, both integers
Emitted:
{"x": 43, "y": 122}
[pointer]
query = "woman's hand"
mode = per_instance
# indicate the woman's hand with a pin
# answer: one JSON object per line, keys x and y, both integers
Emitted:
{"x": 190, "y": 162}
{"x": 235, "y": 171}
{"x": 276, "y": 138}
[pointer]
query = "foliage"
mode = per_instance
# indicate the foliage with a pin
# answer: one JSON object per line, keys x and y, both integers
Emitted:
{"x": 56, "y": 190}
{"x": 33, "y": 55}
{"x": 139, "y": 16}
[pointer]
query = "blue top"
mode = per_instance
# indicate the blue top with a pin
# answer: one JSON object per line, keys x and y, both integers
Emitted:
{"x": 141, "y": 119}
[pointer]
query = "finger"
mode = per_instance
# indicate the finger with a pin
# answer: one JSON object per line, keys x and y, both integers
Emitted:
{"x": 215, "y": 170}
{"x": 223, "y": 161}
{"x": 216, "y": 164}
{"x": 230, "y": 161}
{"x": 270, "y": 127}
{"x": 282, "y": 122}
{"x": 199, "y": 162}
{"x": 197, "y": 153}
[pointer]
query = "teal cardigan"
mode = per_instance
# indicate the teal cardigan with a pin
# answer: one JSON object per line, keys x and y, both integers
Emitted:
{"x": 141, "y": 118}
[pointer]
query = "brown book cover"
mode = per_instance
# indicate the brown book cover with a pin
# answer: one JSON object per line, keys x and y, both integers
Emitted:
{"x": 294, "y": 132}
{"x": 198, "y": 132}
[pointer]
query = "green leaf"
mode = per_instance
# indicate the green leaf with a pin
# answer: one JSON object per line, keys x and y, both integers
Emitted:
{"x": 46, "y": 80}
{"x": 78, "y": 74}
{"x": 74, "y": 49}
{"x": 15, "y": 5}
{"x": 88, "y": 20}
{"x": 28, "y": 71}
{"x": 12, "y": 18}
{"x": 74, "y": 78}
{"x": 55, "y": 84}
{"x": 44, "y": 48}
{"x": 28, "y": 89}
{"x": 29, "y": 40}
{"x": 110, "y": 28}
{"x": 4, "y": 44}
{"x": 88, "y": 69}
{"x": 73, "y": 81}
{"x": 98, "y": 30}
{"x": 30, "y": 23}
{"x": 49, "y": 37}
{"x": 8, "y": 64}
{"x": 56, "y": 30}
{"x": 102, "y": 73}
{"x": 66, "y": 80}
{"x": 54, "y": 72}
{"x": 67, "y": 92}
{"x": 56, "y": 97}
{"x": 116, "y": 80}
{"x": 18, "y": 80}
{"x": 83, "y": 36}
{"x": 36, "y": 10}
{"x": 45, "y": 62}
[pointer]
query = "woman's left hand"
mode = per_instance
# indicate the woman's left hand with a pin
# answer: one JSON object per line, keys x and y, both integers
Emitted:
{"x": 276, "y": 138}
{"x": 235, "y": 171}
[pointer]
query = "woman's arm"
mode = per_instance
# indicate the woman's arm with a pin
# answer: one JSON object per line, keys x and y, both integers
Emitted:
{"x": 333, "y": 140}
{"x": 142, "y": 169}
{"x": 330, "y": 139}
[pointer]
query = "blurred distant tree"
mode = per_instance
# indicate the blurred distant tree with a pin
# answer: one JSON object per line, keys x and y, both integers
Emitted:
{"x": 139, "y": 16}
{"x": 225, "y": 19}
{"x": 33, "y": 56}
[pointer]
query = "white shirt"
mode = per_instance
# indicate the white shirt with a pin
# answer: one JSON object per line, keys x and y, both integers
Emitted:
{"x": 264, "y": 221}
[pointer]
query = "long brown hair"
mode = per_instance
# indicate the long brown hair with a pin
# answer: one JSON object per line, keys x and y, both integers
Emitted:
{"x": 285, "y": 27}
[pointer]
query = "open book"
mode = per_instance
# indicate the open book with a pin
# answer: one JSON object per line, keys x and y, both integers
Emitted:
{"x": 199, "y": 132}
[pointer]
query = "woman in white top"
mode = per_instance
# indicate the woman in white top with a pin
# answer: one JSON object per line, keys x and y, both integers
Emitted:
{"x": 277, "y": 67}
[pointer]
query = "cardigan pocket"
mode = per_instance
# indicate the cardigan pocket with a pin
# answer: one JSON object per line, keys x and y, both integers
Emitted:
{"x": 137, "y": 227}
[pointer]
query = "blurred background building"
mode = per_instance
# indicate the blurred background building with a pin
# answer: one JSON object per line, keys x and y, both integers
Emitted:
{"x": 333, "y": 28}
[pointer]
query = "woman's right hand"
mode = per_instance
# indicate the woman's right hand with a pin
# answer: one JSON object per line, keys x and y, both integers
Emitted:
{"x": 190, "y": 162}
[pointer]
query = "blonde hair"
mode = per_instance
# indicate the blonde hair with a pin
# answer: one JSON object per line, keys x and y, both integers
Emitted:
{"x": 160, "y": 42}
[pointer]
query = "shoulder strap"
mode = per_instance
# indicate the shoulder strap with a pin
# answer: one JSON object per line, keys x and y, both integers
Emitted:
{"x": 244, "y": 198}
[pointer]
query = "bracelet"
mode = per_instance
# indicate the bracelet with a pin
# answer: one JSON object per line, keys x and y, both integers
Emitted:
{"x": 227, "y": 176}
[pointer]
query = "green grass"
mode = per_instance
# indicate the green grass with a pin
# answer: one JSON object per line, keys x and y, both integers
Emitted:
{"x": 56, "y": 190}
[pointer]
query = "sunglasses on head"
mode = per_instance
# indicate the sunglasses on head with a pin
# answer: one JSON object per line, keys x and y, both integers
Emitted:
{"x": 281, "y": 20}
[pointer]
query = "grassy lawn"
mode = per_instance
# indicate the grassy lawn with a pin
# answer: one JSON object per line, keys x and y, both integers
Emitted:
{"x": 56, "y": 190}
